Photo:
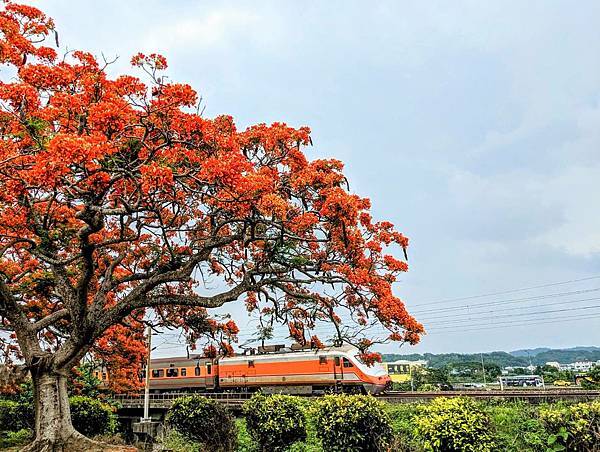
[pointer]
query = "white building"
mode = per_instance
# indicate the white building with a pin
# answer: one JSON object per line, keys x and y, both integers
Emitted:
{"x": 578, "y": 366}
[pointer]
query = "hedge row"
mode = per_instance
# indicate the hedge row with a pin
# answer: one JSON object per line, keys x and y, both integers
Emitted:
{"x": 361, "y": 423}
{"x": 90, "y": 416}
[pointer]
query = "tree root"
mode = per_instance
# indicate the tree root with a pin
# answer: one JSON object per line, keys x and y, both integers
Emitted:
{"x": 76, "y": 442}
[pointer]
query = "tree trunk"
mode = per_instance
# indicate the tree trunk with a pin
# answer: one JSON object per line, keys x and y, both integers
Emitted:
{"x": 54, "y": 431}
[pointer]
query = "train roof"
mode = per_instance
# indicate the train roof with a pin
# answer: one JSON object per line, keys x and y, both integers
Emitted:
{"x": 327, "y": 351}
{"x": 293, "y": 354}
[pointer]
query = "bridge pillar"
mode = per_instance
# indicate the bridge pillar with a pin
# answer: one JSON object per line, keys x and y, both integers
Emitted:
{"x": 147, "y": 431}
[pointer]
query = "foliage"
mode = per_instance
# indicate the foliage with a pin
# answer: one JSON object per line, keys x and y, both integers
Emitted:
{"x": 118, "y": 197}
{"x": 592, "y": 379}
{"x": 572, "y": 427}
{"x": 403, "y": 424}
{"x": 357, "y": 423}
{"x": 275, "y": 422}
{"x": 552, "y": 374}
{"x": 84, "y": 382}
{"x": 473, "y": 371}
{"x": 454, "y": 424}
{"x": 91, "y": 416}
{"x": 15, "y": 416}
{"x": 439, "y": 360}
{"x": 425, "y": 379}
{"x": 517, "y": 426}
{"x": 176, "y": 442}
{"x": 205, "y": 421}
{"x": 439, "y": 376}
{"x": 504, "y": 359}
{"x": 15, "y": 438}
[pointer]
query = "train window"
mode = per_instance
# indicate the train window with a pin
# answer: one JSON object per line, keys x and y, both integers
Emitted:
{"x": 337, "y": 360}
{"x": 322, "y": 359}
{"x": 172, "y": 372}
{"x": 158, "y": 373}
{"x": 347, "y": 363}
{"x": 197, "y": 371}
{"x": 251, "y": 363}
{"x": 183, "y": 371}
{"x": 208, "y": 369}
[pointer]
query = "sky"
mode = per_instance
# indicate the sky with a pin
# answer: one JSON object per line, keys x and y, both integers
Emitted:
{"x": 472, "y": 126}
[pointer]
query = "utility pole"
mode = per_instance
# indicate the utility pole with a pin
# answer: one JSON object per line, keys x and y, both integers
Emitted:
{"x": 483, "y": 368}
{"x": 146, "y": 417}
{"x": 146, "y": 430}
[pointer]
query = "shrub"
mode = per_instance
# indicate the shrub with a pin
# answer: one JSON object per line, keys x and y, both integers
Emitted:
{"x": 15, "y": 416}
{"x": 175, "y": 442}
{"x": 572, "y": 427}
{"x": 15, "y": 439}
{"x": 92, "y": 417}
{"x": 403, "y": 424}
{"x": 457, "y": 424}
{"x": 517, "y": 426}
{"x": 204, "y": 421}
{"x": 427, "y": 387}
{"x": 356, "y": 423}
{"x": 275, "y": 422}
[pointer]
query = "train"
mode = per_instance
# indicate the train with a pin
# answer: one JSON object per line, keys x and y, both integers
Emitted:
{"x": 273, "y": 369}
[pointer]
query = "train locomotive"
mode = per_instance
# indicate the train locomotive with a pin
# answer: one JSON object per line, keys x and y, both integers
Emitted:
{"x": 273, "y": 370}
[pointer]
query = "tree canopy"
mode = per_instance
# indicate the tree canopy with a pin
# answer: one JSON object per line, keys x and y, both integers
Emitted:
{"x": 117, "y": 195}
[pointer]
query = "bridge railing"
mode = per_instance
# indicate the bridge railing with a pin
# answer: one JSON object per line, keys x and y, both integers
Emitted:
{"x": 164, "y": 399}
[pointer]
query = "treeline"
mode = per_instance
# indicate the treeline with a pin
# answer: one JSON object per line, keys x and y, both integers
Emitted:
{"x": 504, "y": 359}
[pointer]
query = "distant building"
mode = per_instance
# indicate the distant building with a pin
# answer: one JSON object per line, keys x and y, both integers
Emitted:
{"x": 401, "y": 369}
{"x": 554, "y": 364}
{"x": 579, "y": 366}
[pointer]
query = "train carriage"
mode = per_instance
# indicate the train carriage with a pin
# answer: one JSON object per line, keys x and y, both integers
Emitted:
{"x": 291, "y": 372}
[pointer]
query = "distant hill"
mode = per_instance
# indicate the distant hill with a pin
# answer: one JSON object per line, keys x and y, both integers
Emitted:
{"x": 517, "y": 358}
{"x": 537, "y": 351}
{"x": 526, "y": 352}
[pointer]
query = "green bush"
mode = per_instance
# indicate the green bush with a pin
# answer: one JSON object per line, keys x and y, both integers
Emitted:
{"x": 352, "y": 423}
{"x": 427, "y": 387}
{"x": 456, "y": 424}
{"x": 15, "y": 416}
{"x": 92, "y": 417}
{"x": 403, "y": 423}
{"x": 517, "y": 426}
{"x": 573, "y": 428}
{"x": 15, "y": 439}
{"x": 275, "y": 422}
{"x": 205, "y": 421}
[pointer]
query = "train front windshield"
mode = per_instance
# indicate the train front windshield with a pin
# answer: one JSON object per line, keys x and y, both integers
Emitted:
{"x": 376, "y": 369}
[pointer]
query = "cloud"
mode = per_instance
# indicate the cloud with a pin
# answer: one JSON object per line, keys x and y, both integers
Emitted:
{"x": 203, "y": 29}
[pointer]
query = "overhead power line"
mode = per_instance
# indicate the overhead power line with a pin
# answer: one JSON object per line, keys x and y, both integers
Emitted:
{"x": 504, "y": 292}
{"x": 552, "y": 311}
{"x": 505, "y": 301}
{"x": 492, "y": 312}
{"x": 512, "y": 325}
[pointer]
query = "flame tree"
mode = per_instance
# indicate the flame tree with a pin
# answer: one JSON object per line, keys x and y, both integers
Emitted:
{"x": 117, "y": 196}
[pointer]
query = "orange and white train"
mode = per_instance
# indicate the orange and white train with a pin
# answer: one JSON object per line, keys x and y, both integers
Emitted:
{"x": 282, "y": 371}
